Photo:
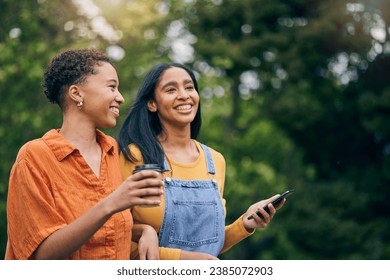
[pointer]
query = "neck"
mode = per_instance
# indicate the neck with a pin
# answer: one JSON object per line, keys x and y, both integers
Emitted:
{"x": 179, "y": 146}
{"x": 176, "y": 139}
{"x": 79, "y": 133}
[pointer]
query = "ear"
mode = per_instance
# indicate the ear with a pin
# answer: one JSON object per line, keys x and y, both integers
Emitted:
{"x": 74, "y": 94}
{"x": 152, "y": 107}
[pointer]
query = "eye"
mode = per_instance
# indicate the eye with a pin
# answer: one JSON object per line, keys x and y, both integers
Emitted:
{"x": 113, "y": 87}
{"x": 170, "y": 90}
{"x": 190, "y": 87}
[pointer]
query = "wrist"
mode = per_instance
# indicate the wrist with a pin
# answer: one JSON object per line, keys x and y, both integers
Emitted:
{"x": 107, "y": 207}
{"x": 246, "y": 225}
{"x": 141, "y": 229}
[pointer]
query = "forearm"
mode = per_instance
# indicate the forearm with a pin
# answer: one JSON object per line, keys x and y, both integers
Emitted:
{"x": 63, "y": 242}
{"x": 187, "y": 255}
{"x": 169, "y": 253}
{"x": 234, "y": 233}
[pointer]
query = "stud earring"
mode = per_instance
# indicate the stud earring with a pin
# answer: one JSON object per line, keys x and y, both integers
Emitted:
{"x": 80, "y": 104}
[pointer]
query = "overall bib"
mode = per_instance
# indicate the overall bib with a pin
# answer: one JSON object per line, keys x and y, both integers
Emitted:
{"x": 193, "y": 215}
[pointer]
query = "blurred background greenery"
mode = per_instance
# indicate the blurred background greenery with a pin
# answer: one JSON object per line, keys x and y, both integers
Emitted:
{"x": 295, "y": 94}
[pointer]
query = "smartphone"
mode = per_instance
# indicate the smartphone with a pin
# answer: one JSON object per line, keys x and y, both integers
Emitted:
{"x": 275, "y": 202}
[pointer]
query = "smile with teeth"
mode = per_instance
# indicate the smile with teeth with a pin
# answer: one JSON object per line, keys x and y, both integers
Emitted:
{"x": 184, "y": 107}
{"x": 114, "y": 110}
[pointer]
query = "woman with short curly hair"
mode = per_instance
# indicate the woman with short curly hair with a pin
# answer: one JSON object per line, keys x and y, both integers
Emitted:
{"x": 66, "y": 197}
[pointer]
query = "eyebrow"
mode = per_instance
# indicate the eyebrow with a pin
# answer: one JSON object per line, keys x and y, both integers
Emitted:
{"x": 170, "y": 83}
{"x": 112, "y": 80}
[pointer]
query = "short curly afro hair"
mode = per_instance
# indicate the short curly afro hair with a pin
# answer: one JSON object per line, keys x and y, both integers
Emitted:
{"x": 68, "y": 68}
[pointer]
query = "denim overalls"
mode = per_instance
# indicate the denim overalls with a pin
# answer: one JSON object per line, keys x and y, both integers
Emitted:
{"x": 193, "y": 216}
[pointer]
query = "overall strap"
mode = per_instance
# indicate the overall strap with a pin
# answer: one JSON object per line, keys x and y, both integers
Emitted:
{"x": 166, "y": 166}
{"x": 209, "y": 159}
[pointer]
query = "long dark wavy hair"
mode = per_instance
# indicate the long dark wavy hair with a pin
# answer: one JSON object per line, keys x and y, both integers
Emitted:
{"x": 141, "y": 127}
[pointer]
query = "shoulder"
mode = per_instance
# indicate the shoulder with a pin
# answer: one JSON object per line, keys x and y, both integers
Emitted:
{"x": 134, "y": 148}
{"x": 51, "y": 147}
{"x": 126, "y": 166}
{"x": 216, "y": 155}
{"x": 135, "y": 151}
{"x": 32, "y": 149}
{"x": 33, "y": 157}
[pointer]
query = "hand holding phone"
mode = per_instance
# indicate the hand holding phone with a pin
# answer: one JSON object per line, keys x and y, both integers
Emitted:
{"x": 275, "y": 202}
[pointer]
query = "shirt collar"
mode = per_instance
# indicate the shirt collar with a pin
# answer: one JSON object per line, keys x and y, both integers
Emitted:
{"x": 62, "y": 148}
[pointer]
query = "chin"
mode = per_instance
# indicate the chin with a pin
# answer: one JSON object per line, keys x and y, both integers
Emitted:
{"x": 108, "y": 125}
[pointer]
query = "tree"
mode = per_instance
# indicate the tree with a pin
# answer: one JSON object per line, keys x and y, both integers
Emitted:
{"x": 27, "y": 27}
{"x": 304, "y": 104}
{"x": 293, "y": 94}
{"x": 31, "y": 33}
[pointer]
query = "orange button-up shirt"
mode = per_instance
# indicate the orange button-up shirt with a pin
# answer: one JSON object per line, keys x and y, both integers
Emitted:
{"x": 51, "y": 185}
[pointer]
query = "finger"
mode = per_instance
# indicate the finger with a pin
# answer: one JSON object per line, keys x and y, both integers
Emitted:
{"x": 151, "y": 256}
{"x": 266, "y": 216}
{"x": 280, "y": 205}
{"x": 271, "y": 199}
{"x": 139, "y": 176}
{"x": 148, "y": 182}
{"x": 142, "y": 254}
{"x": 145, "y": 200}
{"x": 272, "y": 211}
{"x": 154, "y": 202}
{"x": 143, "y": 192}
{"x": 131, "y": 199}
{"x": 148, "y": 191}
{"x": 259, "y": 221}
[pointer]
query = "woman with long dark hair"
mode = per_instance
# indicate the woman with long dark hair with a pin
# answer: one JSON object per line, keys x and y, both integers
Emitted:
{"x": 161, "y": 128}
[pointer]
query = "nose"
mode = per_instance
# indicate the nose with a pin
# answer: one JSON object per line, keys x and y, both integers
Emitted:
{"x": 183, "y": 94}
{"x": 119, "y": 98}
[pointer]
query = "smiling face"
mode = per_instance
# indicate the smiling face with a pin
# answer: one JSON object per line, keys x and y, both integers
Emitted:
{"x": 176, "y": 99}
{"x": 101, "y": 97}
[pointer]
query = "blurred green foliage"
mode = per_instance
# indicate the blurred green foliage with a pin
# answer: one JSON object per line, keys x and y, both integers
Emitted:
{"x": 294, "y": 94}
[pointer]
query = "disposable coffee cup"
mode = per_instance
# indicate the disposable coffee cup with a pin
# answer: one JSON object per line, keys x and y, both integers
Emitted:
{"x": 150, "y": 166}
